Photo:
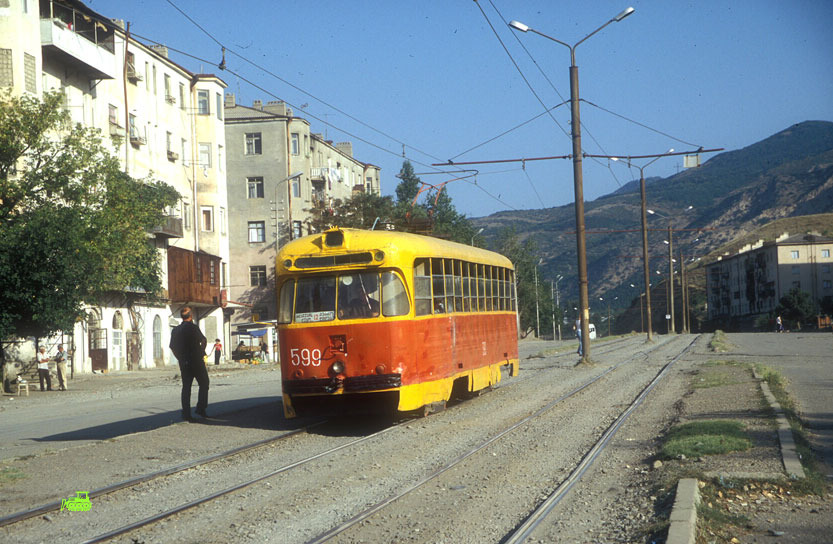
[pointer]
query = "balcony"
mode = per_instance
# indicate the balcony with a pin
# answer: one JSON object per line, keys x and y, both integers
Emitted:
{"x": 173, "y": 156}
{"x": 137, "y": 140}
{"x": 322, "y": 173}
{"x": 193, "y": 277}
{"x": 85, "y": 45}
{"x": 171, "y": 228}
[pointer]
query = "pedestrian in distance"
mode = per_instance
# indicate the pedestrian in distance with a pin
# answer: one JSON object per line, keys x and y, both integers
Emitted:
{"x": 578, "y": 335}
{"x": 61, "y": 367}
{"x": 188, "y": 346}
{"x": 43, "y": 370}
{"x": 218, "y": 350}
{"x": 779, "y": 324}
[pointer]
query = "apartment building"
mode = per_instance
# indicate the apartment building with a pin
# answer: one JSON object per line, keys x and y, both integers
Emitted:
{"x": 278, "y": 171}
{"x": 751, "y": 282}
{"x": 162, "y": 121}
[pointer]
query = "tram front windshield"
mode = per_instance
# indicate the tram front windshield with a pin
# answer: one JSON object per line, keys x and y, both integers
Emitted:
{"x": 356, "y": 295}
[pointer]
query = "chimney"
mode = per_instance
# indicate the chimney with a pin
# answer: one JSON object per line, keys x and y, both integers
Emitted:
{"x": 162, "y": 50}
{"x": 345, "y": 147}
{"x": 276, "y": 107}
{"x": 229, "y": 102}
{"x": 118, "y": 22}
{"x": 257, "y": 104}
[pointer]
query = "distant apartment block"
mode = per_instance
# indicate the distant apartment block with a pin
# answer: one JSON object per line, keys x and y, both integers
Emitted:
{"x": 160, "y": 120}
{"x": 277, "y": 172}
{"x": 751, "y": 282}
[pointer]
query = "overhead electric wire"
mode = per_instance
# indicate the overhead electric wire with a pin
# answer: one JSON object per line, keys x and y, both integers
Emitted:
{"x": 637, "y": 123}
{"x": 317, "y": 99}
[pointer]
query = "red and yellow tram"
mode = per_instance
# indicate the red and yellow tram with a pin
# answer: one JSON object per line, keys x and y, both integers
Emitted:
{"x": 370, "y": 321}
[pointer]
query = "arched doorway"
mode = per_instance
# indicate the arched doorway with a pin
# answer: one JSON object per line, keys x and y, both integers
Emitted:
{"x": 97, "y": 337}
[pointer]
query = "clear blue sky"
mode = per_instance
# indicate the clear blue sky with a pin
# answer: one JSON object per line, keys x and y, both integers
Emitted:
{"x": 433, "y": 75}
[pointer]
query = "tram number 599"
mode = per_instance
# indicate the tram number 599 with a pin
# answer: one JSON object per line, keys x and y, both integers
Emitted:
{"x": 305, "y": 357}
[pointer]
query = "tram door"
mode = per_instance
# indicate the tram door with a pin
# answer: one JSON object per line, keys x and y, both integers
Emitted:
{"x": 98, "y": 349}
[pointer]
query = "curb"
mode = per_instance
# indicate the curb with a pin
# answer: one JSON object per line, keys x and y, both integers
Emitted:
{"x": 684, "y": 513}
{"x": 789, "y": 455}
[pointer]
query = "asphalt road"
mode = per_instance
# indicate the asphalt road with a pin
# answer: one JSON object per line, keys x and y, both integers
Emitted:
{"x": 806, "y": 360}
{"x": 103, "y": 407}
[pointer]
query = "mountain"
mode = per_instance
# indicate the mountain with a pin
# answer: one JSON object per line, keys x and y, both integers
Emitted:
{"x": 788, "y": 174}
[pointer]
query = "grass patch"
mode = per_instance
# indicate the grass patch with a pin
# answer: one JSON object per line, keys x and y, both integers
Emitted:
{"x": 10, "y": 474}
{"x": 705, "y": 438}
{"x": 720, "y": 342}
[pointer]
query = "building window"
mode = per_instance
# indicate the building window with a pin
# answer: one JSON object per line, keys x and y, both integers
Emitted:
{"x": 222, "y": 220}
{"x": 219, "y": 106}
{"x": 198, "y": 267}
{"x": 169, "y": 96}
{"x": 154, "y": 79}
{"x": 134, "y": 130}
{"x": 306, "y": 146}
{"x": 168, "y": 142}
{"x": 257, "y": 275}
{"x": 825, "y": 268}
{"x": 212, "y": 272}
{"x": 796, "y": 270}
{"x": 29, "y": 76}
{"x": 186, "y": 215}
{"x": 184, "y": 144}
{"x": 296, "y": 229}
{"x": 113, "y": 115}
{"x": 257, "y": 232}
{"x": 220, "y": 159}
{"x": 255, "y": 186}
{"x": 296, "y": 189}
{"x": 827, "y": 284}
{"x": 157, "y": 338}
{"x": 296, "y": 145}
{"x": 6, "y": 71}
{"x": 825, "y": 253}
{"x": 182, "y": 96}
{"x": 794, "y": 254}
{"x": 253, "y": 145}
{"x": 202, "y": 103}
{"x": 205, "y": 155}
{"x": 147, "y": 74}
{"x": 207, "y": 213}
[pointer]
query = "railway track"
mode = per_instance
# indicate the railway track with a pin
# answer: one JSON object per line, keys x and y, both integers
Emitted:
{"x": 232, "y": 489}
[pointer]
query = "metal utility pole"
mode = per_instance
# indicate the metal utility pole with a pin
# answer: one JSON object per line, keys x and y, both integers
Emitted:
{"x": 671, "y": 277}
{"x": 584, "y": 302}
{"x": 537, "y": 318}
{"x": 683, "y": 292}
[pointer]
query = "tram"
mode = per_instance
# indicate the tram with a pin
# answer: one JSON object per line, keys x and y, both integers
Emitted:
{"x": 384, "y": 321}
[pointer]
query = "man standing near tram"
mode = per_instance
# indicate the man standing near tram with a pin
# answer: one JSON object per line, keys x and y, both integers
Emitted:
{"x": 188, "y": 346}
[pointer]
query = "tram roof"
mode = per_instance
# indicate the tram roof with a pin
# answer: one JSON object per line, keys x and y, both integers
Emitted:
{"x": 397, "y": 245}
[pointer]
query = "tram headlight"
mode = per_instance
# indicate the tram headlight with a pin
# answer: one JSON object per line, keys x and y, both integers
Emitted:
{"x": 379, "y": 255}
{"x": 287, "y": 263}
{"x": 338, "y": 367}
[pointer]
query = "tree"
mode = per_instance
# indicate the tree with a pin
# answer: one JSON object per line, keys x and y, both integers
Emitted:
{"x": 72, "y": 224}
{"x": 797, "y": 306}
{"x": 359, "y": 212}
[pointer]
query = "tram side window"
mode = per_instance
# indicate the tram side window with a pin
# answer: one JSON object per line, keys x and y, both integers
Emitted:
{"x": 422, "y": 287}
{"x": 481, "y": 287}
{"x": 506, "y": 304}
{"x": 500, "y": 293}
{"x": 449, "y": 284}
{"x": 285, "y": 301}
{"x": 438, "y": 285}
{"x": 466, "y": 287}
{"x": 458, "y": 286}
{"x": 394, "y": 296}
{"x": 495, "y": 292}
{"x": 487, "y": 279}
{"x": 512, "y": 290}
{"x": 315, "y": 300}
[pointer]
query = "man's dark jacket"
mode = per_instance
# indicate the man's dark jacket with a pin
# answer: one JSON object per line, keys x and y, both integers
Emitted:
{"x": 188, "y": 343}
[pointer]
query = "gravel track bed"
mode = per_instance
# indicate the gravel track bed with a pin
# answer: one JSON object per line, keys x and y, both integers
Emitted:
{"x": 296, "y": 507}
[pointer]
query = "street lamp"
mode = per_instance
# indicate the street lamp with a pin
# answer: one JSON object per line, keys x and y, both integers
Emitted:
{"x": 646, "y": 266}
{"x": 476, "y": 234}
{"x": 584, "y": 303}
{"x": 537, "y": 319}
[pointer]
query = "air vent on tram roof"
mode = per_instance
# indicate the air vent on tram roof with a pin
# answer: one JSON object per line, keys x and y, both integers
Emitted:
{"x": 334, "y": 238}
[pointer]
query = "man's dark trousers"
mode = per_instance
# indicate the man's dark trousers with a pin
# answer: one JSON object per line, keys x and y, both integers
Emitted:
{"x": 190, "y": 371}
